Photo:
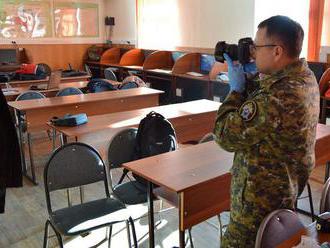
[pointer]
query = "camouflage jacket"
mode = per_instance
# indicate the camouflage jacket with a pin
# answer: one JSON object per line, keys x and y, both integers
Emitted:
{"x": 272, "y": 132}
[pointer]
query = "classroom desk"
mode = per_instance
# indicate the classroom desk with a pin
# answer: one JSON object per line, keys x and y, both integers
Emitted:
{"x": 310, "y": 231}
{"x": 13, "y": 93}
{"x": 186, "y": 174}
{"x": 190, "y": 179}
{"x": 191, "y": 121}
{"x": 28, "y": 83}
{"x": 37, "y": 112}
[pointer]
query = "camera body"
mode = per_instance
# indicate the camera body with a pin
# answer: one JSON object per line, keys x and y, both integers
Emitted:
{"x": 240, "y": 52}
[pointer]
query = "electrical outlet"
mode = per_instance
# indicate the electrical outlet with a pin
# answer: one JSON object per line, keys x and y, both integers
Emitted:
{"x": 178, "y": 92}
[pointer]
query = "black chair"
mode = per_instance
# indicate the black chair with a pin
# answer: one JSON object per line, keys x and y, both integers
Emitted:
{"x": 69, "y": 91}
{"x": 75, "y": 165}
{"x": 109, "y": 74}
{"x": 121, "y": 150}
{"x": 325, "y": 198}
{"x": 99, "y": 85}
{"x": 277, "y": 227}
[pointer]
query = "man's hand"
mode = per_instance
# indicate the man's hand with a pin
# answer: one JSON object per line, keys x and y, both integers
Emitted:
{"x": 236, "y": 75}
{"x": 250, "y": 68}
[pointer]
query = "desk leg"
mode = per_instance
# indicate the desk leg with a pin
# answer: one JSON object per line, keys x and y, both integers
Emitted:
{"x": 324, "y": 111}
{"x": 151, "y": 216}
{"x": 327, "y": 171}
{"x": 22, "y": 150}
{"x": 20, "y": 136}
{"x": 181, "y": 219}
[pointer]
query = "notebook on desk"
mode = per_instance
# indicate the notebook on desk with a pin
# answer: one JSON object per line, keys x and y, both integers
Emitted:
{"x": 53, "y": 82}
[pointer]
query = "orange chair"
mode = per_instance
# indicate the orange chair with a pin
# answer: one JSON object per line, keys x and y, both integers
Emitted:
{"x": 325, "y": 94}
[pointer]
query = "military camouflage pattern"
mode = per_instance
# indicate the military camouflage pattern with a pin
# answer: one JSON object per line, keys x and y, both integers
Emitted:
{"x": 274, "y": 147}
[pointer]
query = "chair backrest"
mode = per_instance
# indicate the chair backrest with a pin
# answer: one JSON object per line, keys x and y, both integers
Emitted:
{"x": 324, "y": 82}
{"x": 88, "y": 70}
{"x": 207, "y": 137}
{"x": 325, "y": 198}
{"x": 30, "y": 95}
{"x": 99, "y": 85}
{"x": 277, "y": 227}
{"x": 44, "y": 68}
{"x": 135, "y": 79}
{"x": 122, "y": 147}
{"x": 73, "y": 165}
{"x": 69, "y": 91}
{"x": 109, "y": 74}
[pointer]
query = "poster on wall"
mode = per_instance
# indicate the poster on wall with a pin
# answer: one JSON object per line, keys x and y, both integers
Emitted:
{"x": 76, "y": 19}
{"x": 25, "y": 19}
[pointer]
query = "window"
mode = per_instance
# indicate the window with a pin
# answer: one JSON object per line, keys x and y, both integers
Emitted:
{"x": 297, "y": 10}
{"x": 158, "y": 25}
{"x": 325, "y": 41}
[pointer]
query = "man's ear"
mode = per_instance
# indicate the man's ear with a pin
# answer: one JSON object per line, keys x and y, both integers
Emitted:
{"x": 278, "y": 52}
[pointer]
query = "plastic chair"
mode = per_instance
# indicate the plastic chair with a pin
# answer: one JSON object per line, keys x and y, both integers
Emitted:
{"x": 69, "y": 91}
{"x": 136, "y": 79}
{"x": 74, "y": 165}
{"x": 325, "y": 198}
{"x": 30, "y": 95}
{"x": 277, "y": 227}
{"x": 128, "y": 85}
{"x": 99, "y": 85}
{"x": 324, "y": 82}
{"x": 44, "y": 68}
{"x": 109, "y": 74}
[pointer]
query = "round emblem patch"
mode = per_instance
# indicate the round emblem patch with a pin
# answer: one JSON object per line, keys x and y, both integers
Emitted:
{"x": 248, "y": 110}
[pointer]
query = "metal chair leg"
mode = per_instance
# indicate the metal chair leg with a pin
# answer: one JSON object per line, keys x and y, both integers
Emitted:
{"x": 109, "y": 235}
{"x": 133, "y": 232}
{"x": 54, "y": 138}
{"x": 58, "y": 236}
{"x": 310, "y": 200}
{"x": 220, "y": 227}
{"x": 45, "y": 245}
{"x": 128, "y": 234}
{"x": 31, "y": 159}
{"x": 190, "y": 238}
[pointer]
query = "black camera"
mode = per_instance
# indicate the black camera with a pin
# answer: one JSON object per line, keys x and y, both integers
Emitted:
{"x": 240, "y": 52}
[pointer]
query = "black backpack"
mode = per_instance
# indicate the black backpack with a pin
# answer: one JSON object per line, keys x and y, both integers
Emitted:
{"x": 155, "y": 135}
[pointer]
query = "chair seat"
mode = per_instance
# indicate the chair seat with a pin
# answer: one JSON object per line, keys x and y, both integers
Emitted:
{"x": 89, "y": 216}
{"x": 131, "y": 193}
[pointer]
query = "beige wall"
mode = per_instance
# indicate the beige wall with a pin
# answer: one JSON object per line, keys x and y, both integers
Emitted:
{"x": 124, "y": 12}
{"x": 201, "y": 22}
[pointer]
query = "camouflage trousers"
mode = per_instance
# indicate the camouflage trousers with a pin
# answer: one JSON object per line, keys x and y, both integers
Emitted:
{"x": 251, "y": 202}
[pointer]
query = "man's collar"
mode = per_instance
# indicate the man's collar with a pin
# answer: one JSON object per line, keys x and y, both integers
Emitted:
{"x": 290, "y": 69}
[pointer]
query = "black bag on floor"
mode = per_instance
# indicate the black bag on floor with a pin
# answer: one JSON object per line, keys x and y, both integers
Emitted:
{"x": 155, "y": 135}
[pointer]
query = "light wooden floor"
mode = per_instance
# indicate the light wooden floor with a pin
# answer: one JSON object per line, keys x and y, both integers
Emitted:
{"x": 22, "y": 224}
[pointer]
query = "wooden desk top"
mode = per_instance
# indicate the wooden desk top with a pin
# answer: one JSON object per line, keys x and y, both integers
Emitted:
{"x": 133, "y": 118}
{"x": 184, "y": 168}
{"x": 15, "y": 91}
{"x": 41, "y": 81}
{"x": 161, "y": 70}
{"x": 74, "y": 99}
{"x": 309, "y": 231}
{"x": 322, "y": 145}
{"x": 200, "y": 78}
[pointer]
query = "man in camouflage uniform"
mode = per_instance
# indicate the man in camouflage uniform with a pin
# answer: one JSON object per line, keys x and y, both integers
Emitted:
{"x": 271, "y": 127}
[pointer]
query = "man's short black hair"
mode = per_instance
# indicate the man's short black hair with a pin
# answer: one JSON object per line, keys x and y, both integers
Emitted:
{"x": 287, "y": 31}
